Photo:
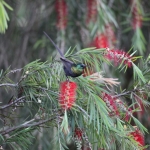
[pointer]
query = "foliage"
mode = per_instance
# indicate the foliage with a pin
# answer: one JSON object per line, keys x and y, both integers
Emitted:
{"x": 4, "y": 16}
{"x": 37, "y": 90}
{"x": 111, "y": 95}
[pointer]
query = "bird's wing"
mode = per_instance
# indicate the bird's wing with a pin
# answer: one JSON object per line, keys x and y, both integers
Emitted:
{"x": 66, "y": 60}
{"x": 67, "y": 63}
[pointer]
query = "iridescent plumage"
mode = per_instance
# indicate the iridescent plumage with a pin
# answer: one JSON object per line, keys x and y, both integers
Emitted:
{"x": 70, "y": 68}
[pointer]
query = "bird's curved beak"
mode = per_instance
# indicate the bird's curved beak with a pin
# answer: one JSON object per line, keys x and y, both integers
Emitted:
{"x": 88, "y": 66}
{"x": 84, "y": 66}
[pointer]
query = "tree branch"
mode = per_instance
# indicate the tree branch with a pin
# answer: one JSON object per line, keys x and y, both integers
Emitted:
{"x": 14, "y": 71}
{"x": 122, "y": 94}
{"x": 8, "y": 84}
{"x": 127, "y": 92}
{"x": 22, "y": 126}
{"x": 10, "y": 104}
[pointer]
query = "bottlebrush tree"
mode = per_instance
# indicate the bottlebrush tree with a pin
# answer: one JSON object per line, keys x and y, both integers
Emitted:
{"x": 84, "y": 109}
{"x": 103, "y": 109}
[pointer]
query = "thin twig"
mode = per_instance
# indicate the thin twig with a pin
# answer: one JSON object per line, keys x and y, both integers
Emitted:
{"x": 22, "y": 126}
{"x": 128, "y": 92}
{"x": 10, "y": 104}
{"x": 8, "y": 84}
{"x": 83, "y": 111}
{"x": 122, "y": 94}
{"x": 14, "y": 71}
{"x": 45, "y": 89}
{"x": 27, "y": 122}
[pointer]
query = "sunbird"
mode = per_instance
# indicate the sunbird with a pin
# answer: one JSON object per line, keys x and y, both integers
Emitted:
{"x": 70, "y": 68}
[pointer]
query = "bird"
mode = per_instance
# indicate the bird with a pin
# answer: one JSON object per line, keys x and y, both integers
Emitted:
{"x": 70, "y": 68}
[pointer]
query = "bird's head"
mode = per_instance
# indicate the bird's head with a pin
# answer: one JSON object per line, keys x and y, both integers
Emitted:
{"x": 80, "y": 66}
{"x": 77, "y": 69}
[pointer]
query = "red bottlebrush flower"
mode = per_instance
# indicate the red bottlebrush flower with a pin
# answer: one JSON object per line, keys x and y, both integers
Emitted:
{"x": 119, "y": 57}
{"x": 62, "y": 12}
{"x": 136, "y": 15}
{"x": 101, "y": 41}
{"x": 67, "y": 94}
{"x": 111, "y": 104}
{"x": 138, "y": 136}
{"x": 110, "y": 34}
{"x": 91, "y": 10}
{"x": 78, "y": 133}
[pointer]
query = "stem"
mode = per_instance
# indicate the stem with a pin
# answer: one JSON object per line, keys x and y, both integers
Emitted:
{"x": 26, "y": 125}
{"x": 14, "y": 71}
{"x": 128, "y": 92}
{"x": 125, "y": 93}
{"x": 10, "y": 104}
{"x": 8, "y": 84}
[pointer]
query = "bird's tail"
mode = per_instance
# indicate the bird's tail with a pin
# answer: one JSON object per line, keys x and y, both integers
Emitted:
{"x": 60, "y": 52}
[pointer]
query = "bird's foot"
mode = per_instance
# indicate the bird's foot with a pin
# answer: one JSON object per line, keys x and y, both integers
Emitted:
{"x": 67, "y": 78}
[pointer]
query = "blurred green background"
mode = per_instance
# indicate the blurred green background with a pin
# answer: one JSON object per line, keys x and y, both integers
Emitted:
{"x": 24, "y": 40}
